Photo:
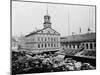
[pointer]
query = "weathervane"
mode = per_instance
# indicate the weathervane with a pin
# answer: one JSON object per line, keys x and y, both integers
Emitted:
{"x": 47, "y": 9}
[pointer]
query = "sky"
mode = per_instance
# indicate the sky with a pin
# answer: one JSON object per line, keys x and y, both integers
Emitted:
{"x": 28, "y": 17}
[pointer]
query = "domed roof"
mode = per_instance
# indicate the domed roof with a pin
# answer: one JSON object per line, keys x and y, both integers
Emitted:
{"x": 46, "y": 15}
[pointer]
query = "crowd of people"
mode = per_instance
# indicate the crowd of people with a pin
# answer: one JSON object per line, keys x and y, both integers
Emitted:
{"x": 38, "y": 63}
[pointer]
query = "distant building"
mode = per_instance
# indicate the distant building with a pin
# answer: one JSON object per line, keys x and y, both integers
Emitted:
{"x": 83, "y": 45}
{"x": 44, "y": 39}
{"x": 87, "y": 40}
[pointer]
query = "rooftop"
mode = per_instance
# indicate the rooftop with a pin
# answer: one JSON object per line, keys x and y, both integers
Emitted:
{"x": 35, "y": 32}
{"x": 80, "y": 37}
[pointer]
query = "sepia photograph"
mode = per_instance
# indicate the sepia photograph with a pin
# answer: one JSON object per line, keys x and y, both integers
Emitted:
{"x": 52, "y": 37}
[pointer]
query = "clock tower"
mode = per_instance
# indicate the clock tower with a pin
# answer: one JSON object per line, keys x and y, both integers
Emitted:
{"x": 47, "y": 22}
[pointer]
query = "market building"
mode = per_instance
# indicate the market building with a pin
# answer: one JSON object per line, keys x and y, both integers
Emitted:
{"x": 88, "y": 40}
{"x": 46, "y": 39}
{"x": 72, "y": 45}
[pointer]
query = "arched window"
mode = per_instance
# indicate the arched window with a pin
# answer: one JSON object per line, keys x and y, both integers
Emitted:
{"x": 48, "y": 45}
{"x": 52, "y": 45}
{"x": 91, "y": 46}
{"x": 38, "y": 45}
{"x": 86, "y": 46}
{"x": 42, "y": 45}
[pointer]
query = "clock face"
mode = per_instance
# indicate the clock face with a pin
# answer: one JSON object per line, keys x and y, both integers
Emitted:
{"x": 46, "y": 19}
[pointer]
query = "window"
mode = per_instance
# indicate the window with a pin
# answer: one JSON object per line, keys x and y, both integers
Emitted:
{"x": 48, "y": 38}
{"x": 42, "y": 45}
{"x": 48, "y": 45}
{"x": 86, "y": 46}
{"x": 94, "y": 45}
{"x": 91, "y": 46}
{"x": 45, "y": 39}
{"x": 77, "y": 46}
{"x": 45, "y": 45}
{"x": 73, "y": 46}
{"x": 83, "y": 44}
{"x": 52, "y": 45}
{"x": 69, "y": 46}
{"x": 66, "y": 45}
{"x": 38, "y": 45}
